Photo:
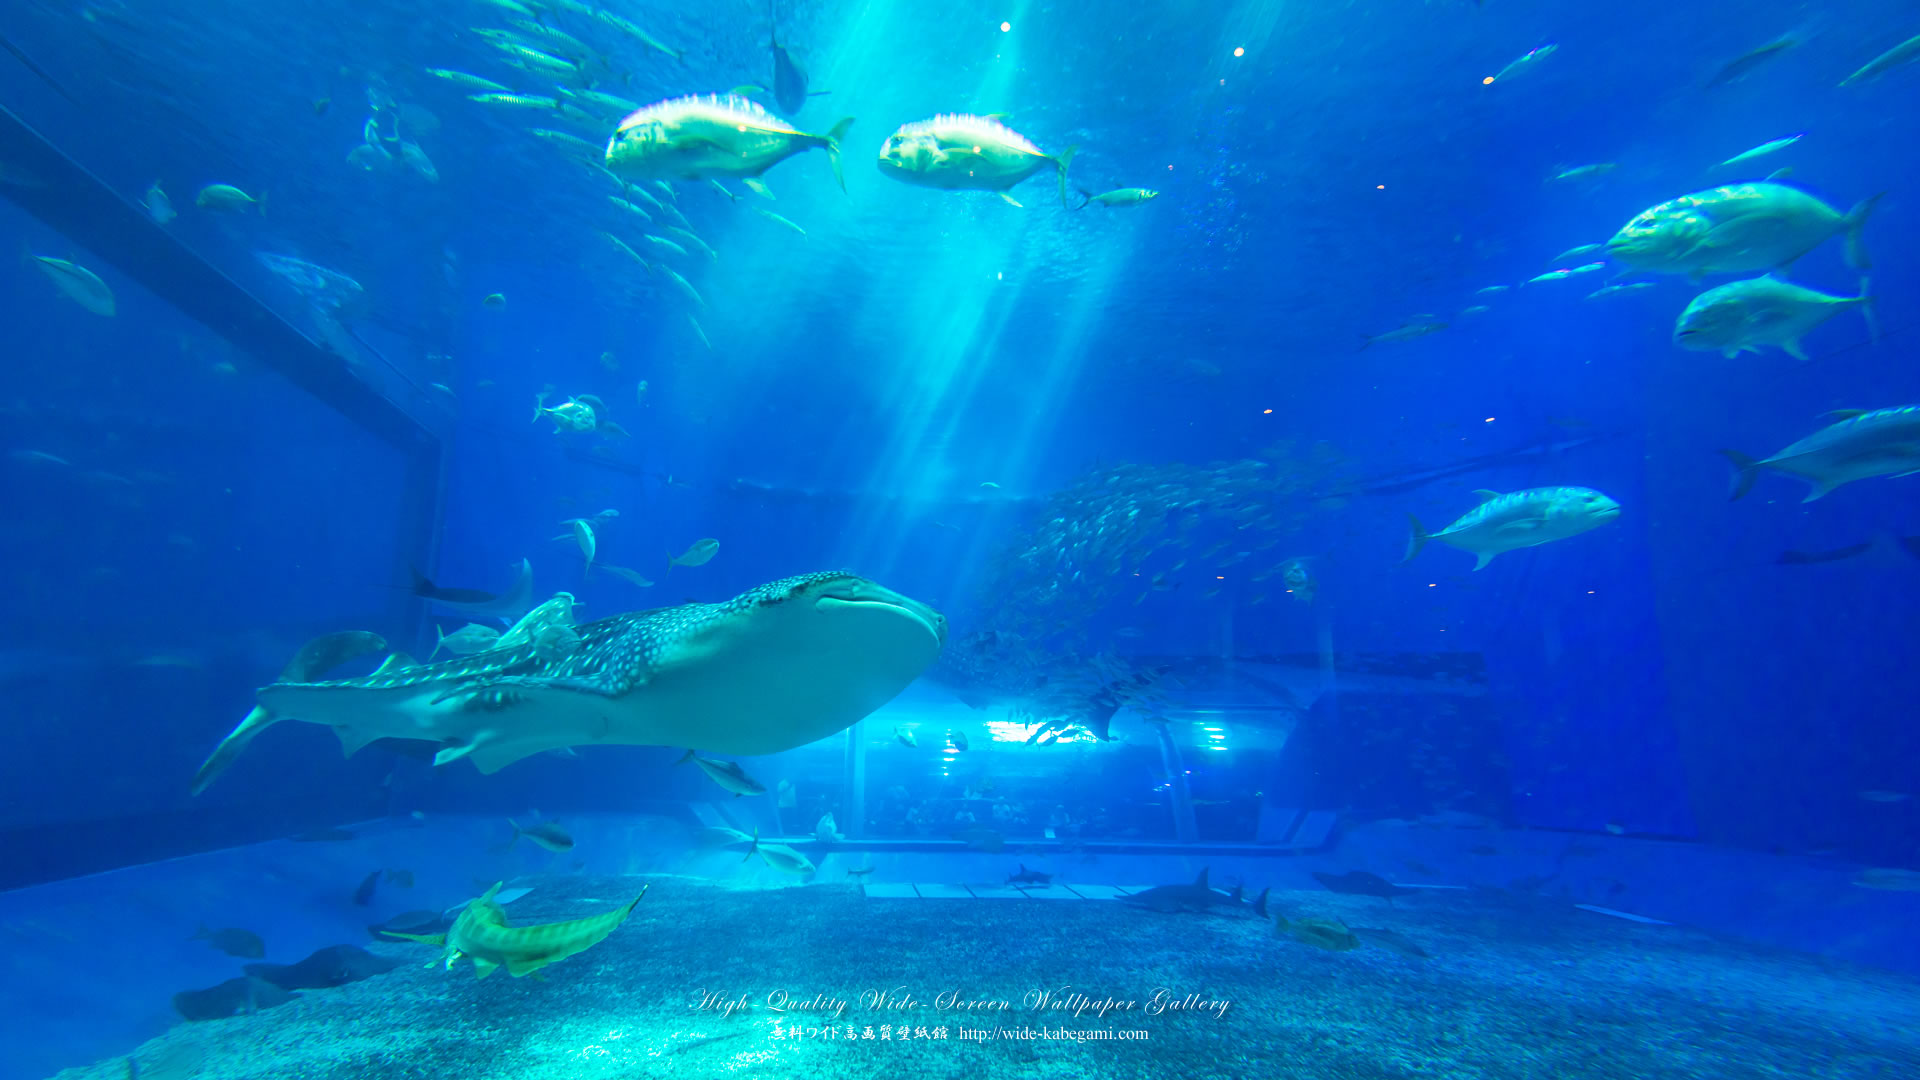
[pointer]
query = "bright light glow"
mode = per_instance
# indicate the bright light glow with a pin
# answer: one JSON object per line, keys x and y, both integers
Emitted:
{"x": 1489, "y": 419}
{"x": 1266, "y": 412}
{"x": 1488, "y": 81}
{"x": 1239, "y": 52}
{"x": 1433, "y": 584}
{"x": 1379, "y": 187}
{"x": 1005, "y": 26}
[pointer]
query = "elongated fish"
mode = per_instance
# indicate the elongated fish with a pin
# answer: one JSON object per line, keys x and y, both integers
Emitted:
{"x": 1864, "y": 444}
{"x": 1517, "y": 519}
{"x": 698, "y": 138}
{"x": 774, "y": 668}
{"x": 1904, "y": 53}
{"x": 483, "y": 934}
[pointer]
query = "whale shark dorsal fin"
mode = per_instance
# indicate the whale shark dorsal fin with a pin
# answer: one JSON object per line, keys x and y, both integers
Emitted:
{"x": 1201, "y": 881}
{"x": 1486, "y": 495}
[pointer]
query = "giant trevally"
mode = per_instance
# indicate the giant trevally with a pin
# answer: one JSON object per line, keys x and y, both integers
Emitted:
{"x": 1737, "y": 228}
{"x": 1866, "y": 443}
{"x": 1517, "y": 519}
{"x": 960, "y": 152}
{"x": 698, "y": 138}
{"x": 1744, "y": 315}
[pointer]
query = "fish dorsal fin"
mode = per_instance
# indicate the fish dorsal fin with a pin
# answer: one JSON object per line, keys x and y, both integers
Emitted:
{"x": 1487, "y": 495}
{"x": 1845, "y": 414}
{"x": 1201, "y": 881}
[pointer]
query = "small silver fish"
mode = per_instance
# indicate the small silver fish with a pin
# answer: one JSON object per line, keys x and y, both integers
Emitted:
{"x": 1762, "y": 150}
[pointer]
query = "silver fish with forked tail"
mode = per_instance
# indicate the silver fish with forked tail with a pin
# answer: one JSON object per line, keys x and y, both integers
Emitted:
{"x": 774, "y": 668}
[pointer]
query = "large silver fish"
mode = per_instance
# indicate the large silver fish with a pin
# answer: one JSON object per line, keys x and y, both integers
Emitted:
{"x": 1737, "y": 228}
{"x": 769, "y": 670}
{"x": 1518, "y": 519}
{"x": 1880, "y": 442}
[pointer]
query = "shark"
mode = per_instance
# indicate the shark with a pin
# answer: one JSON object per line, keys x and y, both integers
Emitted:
{"x": 1198, "y": 896}
{"x": 483, "y": 934}
{"x": 315, "y": 658}
{"x": 507, "y": 606}
{"x": 774, "y": 668}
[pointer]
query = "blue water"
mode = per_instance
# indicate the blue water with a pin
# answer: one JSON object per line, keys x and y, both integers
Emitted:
{"x": 973, "y": 404}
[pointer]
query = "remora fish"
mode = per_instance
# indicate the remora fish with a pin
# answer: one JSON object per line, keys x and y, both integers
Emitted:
{"x": 1865, "y": 444}
{"x": 774, "y": 668}
{"x": 315, "y": 658}
{"x": 1743, "y": 315}
{"x": 697, "y": 138}
{"x": 1198, "y": 896}
{"x": 507, "y": 606}
{"x": 962, "y": 152}
{"x": 1737, "y": 228}
{"x": 482, "y": 934}
{"x": 1517, "y": 519}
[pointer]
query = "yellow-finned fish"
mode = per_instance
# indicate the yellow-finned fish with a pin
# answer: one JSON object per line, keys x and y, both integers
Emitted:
{"x": 483, "y": 935}
{"x": 699, "y": 138}
{"x": 962, "y": 152}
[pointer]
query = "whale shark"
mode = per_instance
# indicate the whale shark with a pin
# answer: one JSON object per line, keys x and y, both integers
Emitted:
{"x": 776, "y": 667}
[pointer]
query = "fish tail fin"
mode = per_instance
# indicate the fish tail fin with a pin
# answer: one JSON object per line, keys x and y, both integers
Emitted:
{"x": 1416, "y": 539}
{"x": 1086, "y": 197}
{"x": 422, "y": 584}
{"x": 260, "y": 204}
{"x": 1747, "y": 469}
{"x": 1855, "y": 223}
{"x": 539, "y": 403}
{"x": 753, "y": 847}
{"x": 1061, "y": 163}
{"x": 517, "y": 831}
{"x": 1866, "y": 309}
{"x": 684, "y": 758}
{"x": 1260, "y": 905}
{"x": 833, "y": 137}
{"x": 224, "y": 754}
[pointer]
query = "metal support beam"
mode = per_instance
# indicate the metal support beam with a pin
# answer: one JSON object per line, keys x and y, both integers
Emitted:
{"x": 53, "y": 187}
